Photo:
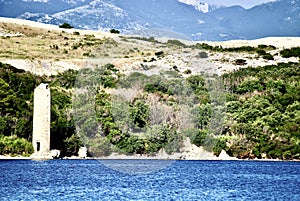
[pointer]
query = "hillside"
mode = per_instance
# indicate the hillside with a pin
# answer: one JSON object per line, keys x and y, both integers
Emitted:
{"x": 138, "y": 95}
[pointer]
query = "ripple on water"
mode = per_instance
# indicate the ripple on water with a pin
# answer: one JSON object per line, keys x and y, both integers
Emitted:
{"x": 182, "y": 180}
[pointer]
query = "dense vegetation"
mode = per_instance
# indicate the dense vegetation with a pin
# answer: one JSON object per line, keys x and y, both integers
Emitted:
{"x": 150, "y": 120}
{"x": 260, "y": 50}
{"x": 234, "y": 49}
{"x": 262, "y": 117}
{"x": 263, "y": 110}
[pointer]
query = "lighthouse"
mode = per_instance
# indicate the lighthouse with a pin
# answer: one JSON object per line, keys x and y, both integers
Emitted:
{"x": 41, "y": 121}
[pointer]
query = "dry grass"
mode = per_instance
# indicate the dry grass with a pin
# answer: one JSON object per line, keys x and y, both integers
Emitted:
{"x": 58, "y": 45}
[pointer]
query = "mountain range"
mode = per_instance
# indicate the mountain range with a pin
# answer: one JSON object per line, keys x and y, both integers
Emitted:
{"x": 188, "y": 19}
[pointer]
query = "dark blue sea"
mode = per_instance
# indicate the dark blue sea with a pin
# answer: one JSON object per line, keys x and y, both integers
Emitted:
{"x": 141, "y": 180}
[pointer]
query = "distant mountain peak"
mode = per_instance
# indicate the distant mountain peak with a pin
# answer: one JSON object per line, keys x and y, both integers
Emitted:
{"x": 191, "y": 18}
{"x": 203, "y": 7}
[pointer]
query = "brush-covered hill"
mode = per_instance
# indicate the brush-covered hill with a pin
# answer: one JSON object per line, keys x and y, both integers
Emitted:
{"x": 144, "y": 95}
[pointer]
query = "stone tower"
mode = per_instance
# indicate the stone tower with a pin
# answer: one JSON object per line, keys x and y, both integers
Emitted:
{"x": 41, "y": 121}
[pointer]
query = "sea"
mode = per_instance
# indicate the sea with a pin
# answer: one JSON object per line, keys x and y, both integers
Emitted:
{"x": 148, "y": 180}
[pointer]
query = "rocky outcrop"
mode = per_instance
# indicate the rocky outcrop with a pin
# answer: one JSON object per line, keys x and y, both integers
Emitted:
{"x": 224, "y": 156}
{"x": 82, "y": 152}
{"x": 55, "y": 153}
{"x": 190, "y": 151}
{"x": 52, "y": 154}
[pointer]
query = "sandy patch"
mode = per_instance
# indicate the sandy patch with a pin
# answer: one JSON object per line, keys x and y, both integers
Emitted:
{"x": 279, "y": 42}
{"x": 45, "y": 67}
{"x": 51, "y": 27}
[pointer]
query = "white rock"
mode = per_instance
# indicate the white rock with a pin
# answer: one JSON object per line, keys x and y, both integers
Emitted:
{"x": 55, "y": 153}
{"x": 82, "y": 152}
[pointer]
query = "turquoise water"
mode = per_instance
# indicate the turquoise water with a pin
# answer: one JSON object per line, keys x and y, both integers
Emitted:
{"x": 180, "y": 180}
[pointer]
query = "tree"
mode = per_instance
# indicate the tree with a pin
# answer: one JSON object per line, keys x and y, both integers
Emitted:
{"x": 139, "y": 112}
{"x": 66, "y": 26}
{"x": 7, "y": 98}
{"x": 114, "y": 31}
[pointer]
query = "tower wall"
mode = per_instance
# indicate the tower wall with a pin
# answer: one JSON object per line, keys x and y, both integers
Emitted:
{"x": 41, "y": 121}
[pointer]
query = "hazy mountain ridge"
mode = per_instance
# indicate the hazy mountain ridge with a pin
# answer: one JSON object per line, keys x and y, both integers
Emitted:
{"x": 190, "y": 18}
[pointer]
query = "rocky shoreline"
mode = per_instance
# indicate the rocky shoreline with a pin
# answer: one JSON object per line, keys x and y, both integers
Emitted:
{"x": 143, "y": 157}
{"x": 188, "y": 151}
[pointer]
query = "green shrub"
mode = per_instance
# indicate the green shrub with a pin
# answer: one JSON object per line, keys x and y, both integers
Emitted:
{"x": 221, "y": 145}
{"x": 188, "y": 71}
{"x": 150, "y": 39}
{"x": 203, "y": 55}
{"x": 268, "y": 56}
{"x": 176, "y": 42}
{"x": 261, "y": 52}
{"x": 249, "y": 86}
{"x": 293, "y": 52}
{"x": 114, "y": 31}
{"x": 157, "y": 87}
{"x": 262, "y": 46}
{"x": 159, "y": 53}
{"x": 266, "y": 47}
{"x": 200, "y": 137}
{"x": 15, "y": 146}
{"x": 66, "y": 26}
{"x": 240, "y": 62}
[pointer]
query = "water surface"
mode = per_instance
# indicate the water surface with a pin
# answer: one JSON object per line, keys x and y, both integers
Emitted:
{"x": 181, "y": 180}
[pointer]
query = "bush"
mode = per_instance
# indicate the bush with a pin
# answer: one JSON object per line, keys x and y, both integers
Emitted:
{"x": 269, "y": 47}
{"x": 15, "y": 146}
{"x": 200, "y": 137}
{"x": 221, "y": 145}
{"x": 293, "y": 52}
{"x": 66, "y": 26}
{"x": 159, "y": 53}
{"x": 157, "y": 87}
{"x": 188, "y": 71}
{"x": 114, "y": 31}
{"x": 268, "y": 56}
{"x": 240, "y": 62}
{"x": 176, "y": 42}
{"x": 261, "y": 52}
{"x": 203, "y": 55}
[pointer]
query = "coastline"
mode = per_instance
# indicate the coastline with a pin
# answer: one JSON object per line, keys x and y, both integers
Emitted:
{"x": 144, "y": 157}
{"x": 2, "y": 157}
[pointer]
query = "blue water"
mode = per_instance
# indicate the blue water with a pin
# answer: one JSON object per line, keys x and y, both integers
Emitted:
{"x": 182, "y": 180}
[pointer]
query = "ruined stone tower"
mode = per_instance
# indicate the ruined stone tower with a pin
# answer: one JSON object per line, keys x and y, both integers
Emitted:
{"x": 41, "y": 121}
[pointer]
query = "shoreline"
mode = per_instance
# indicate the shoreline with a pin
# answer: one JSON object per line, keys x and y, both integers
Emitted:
{"x": 127, "y": 157}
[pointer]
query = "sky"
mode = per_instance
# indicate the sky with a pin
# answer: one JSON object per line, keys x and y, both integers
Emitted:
{"x": 244, "y": 3}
